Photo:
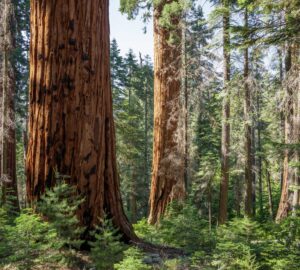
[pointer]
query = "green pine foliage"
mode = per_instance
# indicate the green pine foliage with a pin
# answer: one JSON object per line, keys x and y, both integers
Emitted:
{"x": 59, "y": 206}
{"x": 133, "y": 260}
{"x": 239, "y": 245}
{"x": 3, "y": 234}
{"x": 132, "y": 87}
{"x": 244, "y": 240}
{"x": 182, "y": 228}
{"x": 106, "y": 249}
{"x": 204, "y": 113}
{"x": 29, "y": 241}
{"x": 10, "y": 202}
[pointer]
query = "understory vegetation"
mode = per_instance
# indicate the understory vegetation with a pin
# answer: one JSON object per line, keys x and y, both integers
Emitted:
{"x": 31, "y": 240}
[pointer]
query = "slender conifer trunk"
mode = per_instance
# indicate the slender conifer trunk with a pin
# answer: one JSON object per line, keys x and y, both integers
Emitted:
{"x": 7, "y": 89}
{"x": 248, "y": 134}
{"x": 225, "y": 120}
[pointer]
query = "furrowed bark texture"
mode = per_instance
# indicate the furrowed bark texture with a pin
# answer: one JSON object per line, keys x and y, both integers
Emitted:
{"x": 168, "y": 162}
{"x": 225, "y": 121}
{"x": 7, "y": 93}
{"x": 71, "y": 124}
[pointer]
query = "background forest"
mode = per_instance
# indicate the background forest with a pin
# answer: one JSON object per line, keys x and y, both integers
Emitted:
{"x": 189, "y": 160}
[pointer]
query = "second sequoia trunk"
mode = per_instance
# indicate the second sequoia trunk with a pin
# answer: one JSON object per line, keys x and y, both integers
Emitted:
{"x": 71, "y": 124}
{"x": 168, "y": 162}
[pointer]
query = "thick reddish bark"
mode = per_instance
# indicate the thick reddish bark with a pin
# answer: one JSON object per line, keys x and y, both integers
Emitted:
{"x": 168, "y": 162}
{"x": 225, "y": 121}
{"x": 71, "y": 125}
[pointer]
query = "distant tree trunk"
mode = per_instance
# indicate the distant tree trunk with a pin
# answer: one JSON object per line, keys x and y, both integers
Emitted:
{"x": 284, "y": 204}
{"x": 225, "y": 120}
{"x": 248, "y": 133}
{"x": 296, "y": 131}
{"x": 282, "y": 118}
{"x": 8, "y": 138}
{"x": 259, "y": 159}
{"x": 237, "y": 190}
{"x": 133, "y": 201}
{"x": 71, "y": 127}
{"x": 270, "y": 196}
{"x": 168, "y": 165}
{"x": 146, "y": 126}
{"x": 255, "y": 166}
{"x": 186, "y": 103}
{"x": 209, "y": 202}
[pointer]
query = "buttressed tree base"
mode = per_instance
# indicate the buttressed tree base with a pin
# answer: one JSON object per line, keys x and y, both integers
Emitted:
{"x": 71, "y": 123}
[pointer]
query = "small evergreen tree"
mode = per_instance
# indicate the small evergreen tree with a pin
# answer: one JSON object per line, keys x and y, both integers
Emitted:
{"x": 31, "y": 241}
{"x": 107, "y": 249}
{"x": 59, "y": 206}
{"x": 133, "y": 260}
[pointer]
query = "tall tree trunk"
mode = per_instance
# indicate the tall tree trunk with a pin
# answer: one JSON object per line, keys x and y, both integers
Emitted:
{"x": 259, "y": 158}
{"x": 291, "y": 180}
{"x": 133, "y": 200}
{"x": 255, "y": 165}
{"x": 186, "y": 102}
{"x": 209, "y": 206}
{"x": 8, "y": 138}
{"x": 282, "y": 117}
{"x": 146, "y": 125}
{"x": 71, "y": 127}
{"x": 168, "y": 164}
{"x": 270, "y": 196}
{"x": 225, "y": 120}
{"x": 296, "y": 129}
{"x": 248, "y": 133}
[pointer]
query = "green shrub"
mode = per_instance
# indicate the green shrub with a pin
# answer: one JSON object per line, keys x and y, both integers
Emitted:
{"x": 239, "y": 245}
{"x": 107, "y": 249}
{"x": 146, "y": 231}
{"x": 182, "y": 227}
{"x": 3, "y": 234}
{"x": 59, "y": 206}
{"x": 201, "y": 260}
{"x": 31, "y": 241}
{"x": 133, "y": 260}
{"x": 174, "y": 264}
{"x": 287, "y": 240}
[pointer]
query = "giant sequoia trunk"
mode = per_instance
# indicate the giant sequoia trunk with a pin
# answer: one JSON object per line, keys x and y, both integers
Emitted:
{"x": 225, "y": 120}
{"x": 168, "y": 163}
{"x": 7, "y": 118}
{"x": 71, "y": 124}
